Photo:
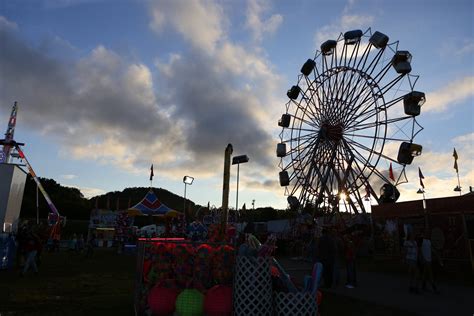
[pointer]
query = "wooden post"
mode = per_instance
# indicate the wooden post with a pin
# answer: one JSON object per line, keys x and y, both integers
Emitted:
{"x": 225, "y": 188}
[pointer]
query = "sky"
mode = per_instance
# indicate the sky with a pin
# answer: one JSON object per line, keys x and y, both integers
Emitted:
{"x": 107, "y": 88}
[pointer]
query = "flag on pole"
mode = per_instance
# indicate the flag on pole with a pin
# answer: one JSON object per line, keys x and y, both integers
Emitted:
{"x": 391, "y": 173}
{"x": 421, "y": 177}
{"x": 151, "y": 173}
{"x": 455, "y": 155}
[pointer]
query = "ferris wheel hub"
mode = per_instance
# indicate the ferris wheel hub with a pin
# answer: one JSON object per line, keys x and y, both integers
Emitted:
{"x": 332, "y": 132}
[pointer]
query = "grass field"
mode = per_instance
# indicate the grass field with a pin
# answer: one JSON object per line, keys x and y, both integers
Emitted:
{"x": 69, "y": 284}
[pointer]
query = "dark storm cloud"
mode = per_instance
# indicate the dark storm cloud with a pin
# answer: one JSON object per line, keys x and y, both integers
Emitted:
{"x": 77, "y": 101}
{"x": 216, "y": 109}
{"x": 102, "y": 99}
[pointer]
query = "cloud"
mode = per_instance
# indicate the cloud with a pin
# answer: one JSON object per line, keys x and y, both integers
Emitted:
{"x": 467, "y": 47}
{"x": 68, "y": 176}
{"x": 6, "y": 24}
{"x": 179, "y": 115}
{"x": 200, "y": 22}
{"x": 215, "y": 110}
{"x": 99, "y": 107}
{"x": 60, "y": 4}
{"x": 223, "y": 94}
{"x": 88, "y": 192}
{"x": 440, "y": 175}
{"x": 455, "y": 92}
{"x": 346, "y": 22}
{"x": 256, "y": 23}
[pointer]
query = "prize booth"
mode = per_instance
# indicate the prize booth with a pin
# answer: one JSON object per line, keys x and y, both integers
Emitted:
{"x": 178, "y": 276}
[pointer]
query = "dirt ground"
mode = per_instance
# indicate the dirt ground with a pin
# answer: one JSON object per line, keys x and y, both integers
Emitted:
{"x": 69, "y": 284}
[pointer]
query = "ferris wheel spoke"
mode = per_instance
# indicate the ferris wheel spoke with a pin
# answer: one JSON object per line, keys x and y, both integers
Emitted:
{"x": 325, "y": 178}
{"x": 294, "y": 139}
{"x": 378, "y": 137}
{"x": 391, "y": 84}
{"x": 302, "y": 120}
{"x": 363, "y": 59}
{"x": 310, "y": 101}
{"x": 381, "y": 74}
{"x": 314, "y": 92}
{"x": 354, "y": 144}
{"x": 296, "y": 159}
{"x": 370, "y": 111}
{"x": 304, "y": 109}
{"x": 311, "y": 131}
{"x": 358, "y": 126}
{"x": 365, "y": 165}
{"x": 354, "y": 94}
{"x": 373, "y": 64}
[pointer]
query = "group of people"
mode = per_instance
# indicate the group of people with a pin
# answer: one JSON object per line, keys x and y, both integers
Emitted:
{"x": 30, "y": 240}
{"x": 334, "y": 250}
{"x": 419, "y": 255}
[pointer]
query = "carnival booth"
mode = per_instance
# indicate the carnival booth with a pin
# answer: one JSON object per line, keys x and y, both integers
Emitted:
{"x": 178, "y": 276}
{"x": 102, "y": 225}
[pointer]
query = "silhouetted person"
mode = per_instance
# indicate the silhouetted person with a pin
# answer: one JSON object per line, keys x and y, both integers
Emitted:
{"x": 90, "y": 246}
{"x": 31, "y": 249}
{"x": 426, "y": 256}
{"x": 411, "y": 258}
{"x": 327, "y": 253}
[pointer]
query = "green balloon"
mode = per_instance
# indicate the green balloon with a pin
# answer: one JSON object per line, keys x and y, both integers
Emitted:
{"x": 190, "y": 303}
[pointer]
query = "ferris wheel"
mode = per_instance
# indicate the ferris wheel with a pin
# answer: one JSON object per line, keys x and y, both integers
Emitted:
{"x": 349, "y": 124}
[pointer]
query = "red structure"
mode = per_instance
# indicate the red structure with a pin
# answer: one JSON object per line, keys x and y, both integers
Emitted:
{"x": 450, "y": 221}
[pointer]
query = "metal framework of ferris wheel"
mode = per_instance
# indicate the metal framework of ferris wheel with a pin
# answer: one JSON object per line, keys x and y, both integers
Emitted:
{"x": 351, "y": 115}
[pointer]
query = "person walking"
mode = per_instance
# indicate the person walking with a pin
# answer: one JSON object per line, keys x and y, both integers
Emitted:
{"x": 31, "y": 249}
{"x": 339, "y": 257}
{"x": 90, "y": 246}
{"x": 73, "y": 243}
{"x": 327, "y": 252}
{"x": 426, "y": 259}
{"x": 350, "y": 253}
{"x": 80, "y": 243}
{"x": 411, "y": 258}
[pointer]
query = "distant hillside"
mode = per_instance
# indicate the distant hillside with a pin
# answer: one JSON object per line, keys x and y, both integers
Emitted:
{"x": 71, "y": 203}
{"x": 130, "y": 196}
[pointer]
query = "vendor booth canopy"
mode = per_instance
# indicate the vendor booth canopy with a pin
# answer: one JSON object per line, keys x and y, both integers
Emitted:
{"x": 150, "y": 205}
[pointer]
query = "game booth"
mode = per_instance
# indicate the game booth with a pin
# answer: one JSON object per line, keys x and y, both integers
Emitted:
{"x": 102, "y": 225}
{"x": 202, "y": 271}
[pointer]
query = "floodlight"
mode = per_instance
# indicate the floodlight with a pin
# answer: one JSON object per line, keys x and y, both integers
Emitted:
{"x": 188, "y": 180}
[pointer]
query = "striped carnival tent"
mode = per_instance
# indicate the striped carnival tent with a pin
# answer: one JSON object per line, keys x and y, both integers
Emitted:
{"x": 151, "y": 205}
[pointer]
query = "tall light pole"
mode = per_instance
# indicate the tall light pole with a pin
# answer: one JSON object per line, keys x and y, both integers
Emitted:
{"x": 237, "y": 160}
{"x": 186, "y": 180}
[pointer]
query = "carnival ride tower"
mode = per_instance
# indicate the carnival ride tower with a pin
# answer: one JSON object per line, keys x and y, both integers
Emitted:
{"x": 7, "y": 147}
{"x": 12, "y": 180}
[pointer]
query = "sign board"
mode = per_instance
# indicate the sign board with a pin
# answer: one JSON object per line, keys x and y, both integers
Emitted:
{"x": 102, "y": 218}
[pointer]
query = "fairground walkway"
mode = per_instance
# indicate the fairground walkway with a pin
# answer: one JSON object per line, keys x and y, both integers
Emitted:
{"x": 391, "y": 290}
